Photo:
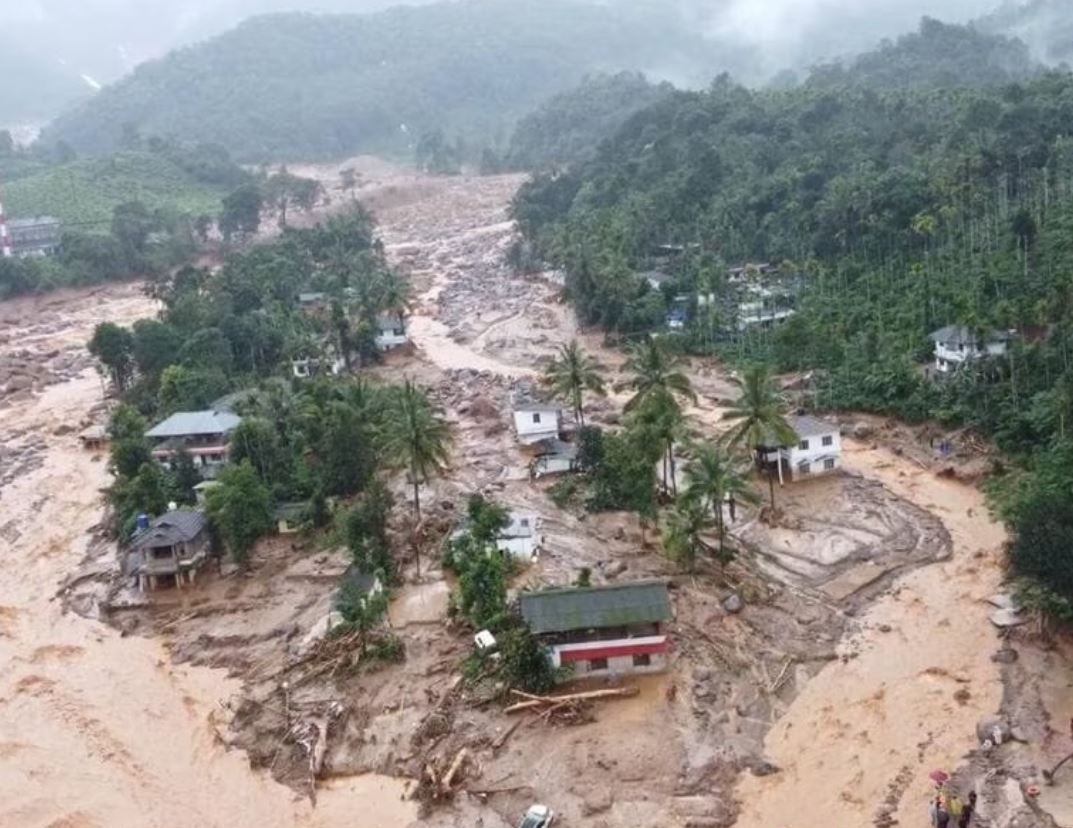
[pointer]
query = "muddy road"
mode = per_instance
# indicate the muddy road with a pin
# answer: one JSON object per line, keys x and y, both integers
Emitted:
{"x": 853, "y": 704}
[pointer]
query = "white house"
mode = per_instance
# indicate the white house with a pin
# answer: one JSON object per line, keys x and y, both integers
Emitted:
{"x": 818, "y": 450}
{"x": 555, "y": 457}
{"x": 521, "y": 538}
{"x": 764, "y": 307}
{"x": 391, "y": 332}
{"x": 956, "y": 344}
{"x": 314, "y": 366}
{"x": 536, "y": 422}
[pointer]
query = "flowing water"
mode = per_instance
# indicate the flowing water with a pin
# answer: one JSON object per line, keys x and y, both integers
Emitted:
{"x": 96, "y": 729}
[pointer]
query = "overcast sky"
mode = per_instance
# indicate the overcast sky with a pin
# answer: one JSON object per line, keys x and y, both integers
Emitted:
{"x": 107, "y": 37}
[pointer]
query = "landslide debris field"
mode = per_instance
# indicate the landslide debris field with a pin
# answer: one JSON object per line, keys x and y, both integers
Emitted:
{"x": 860, "y": 659}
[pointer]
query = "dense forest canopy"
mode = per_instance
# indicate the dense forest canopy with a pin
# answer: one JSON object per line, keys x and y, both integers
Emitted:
{"x": 568, "y": 127}
{"x": 300, "y": 85}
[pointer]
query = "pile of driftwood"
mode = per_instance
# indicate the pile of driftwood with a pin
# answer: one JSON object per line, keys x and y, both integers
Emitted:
{"x": 571, "y": 708}
{"x": 441, "y": 780}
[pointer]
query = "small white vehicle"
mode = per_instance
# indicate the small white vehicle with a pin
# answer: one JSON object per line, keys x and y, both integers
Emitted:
{"x": 538, "y": 816}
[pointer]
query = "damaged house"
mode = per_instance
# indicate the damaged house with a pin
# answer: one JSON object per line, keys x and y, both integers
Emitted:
{"x": 169, "y": 548}
{"x": 818, "y": 450}
{"x": 605, "y": 630}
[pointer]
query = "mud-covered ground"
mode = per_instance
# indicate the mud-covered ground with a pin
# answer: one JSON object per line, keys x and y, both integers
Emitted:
{"x": 862, "y": 658}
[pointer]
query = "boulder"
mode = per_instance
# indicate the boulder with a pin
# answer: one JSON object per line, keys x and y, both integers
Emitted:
{"x": 1007, "y": 655}
{"x": 733, "y": 603}
{"x": 862, "y": 430}
{"x": 990, "y": 726}
{"x": 597, "y": 801}
{"x": 614, "y": 569}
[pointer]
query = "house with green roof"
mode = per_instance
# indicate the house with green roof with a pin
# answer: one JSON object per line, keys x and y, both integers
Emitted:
{"x": 605, "y": 630}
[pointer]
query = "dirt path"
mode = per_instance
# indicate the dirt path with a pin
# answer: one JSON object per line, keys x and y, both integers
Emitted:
{"x": 869, "y": 728}
{"x": 99, "y": 730}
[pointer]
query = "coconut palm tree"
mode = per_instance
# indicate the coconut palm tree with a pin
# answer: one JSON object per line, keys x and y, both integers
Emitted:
{"x": 659, "y": 418}
{"x": 716, "y": 476}
{"x": 658, "y": 383}
{"x": 758, "y": 414}
{"x": 655, "y": 370}
{"x": 417, "y": 436}
{"x": 573, "y": 373}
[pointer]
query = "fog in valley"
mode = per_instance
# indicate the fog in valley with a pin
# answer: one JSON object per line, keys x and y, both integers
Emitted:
{"x": 69, "y": 48}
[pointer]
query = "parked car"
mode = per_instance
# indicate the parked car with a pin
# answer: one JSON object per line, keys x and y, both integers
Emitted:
{"x": 538, "y": 816}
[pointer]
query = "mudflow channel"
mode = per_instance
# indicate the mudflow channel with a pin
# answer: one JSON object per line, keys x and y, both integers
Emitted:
{"x": 101, "y": 730}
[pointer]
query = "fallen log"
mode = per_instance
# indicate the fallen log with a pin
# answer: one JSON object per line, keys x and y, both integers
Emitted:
{"x": 460, "y": 758}
{"x": 532, "y": 702}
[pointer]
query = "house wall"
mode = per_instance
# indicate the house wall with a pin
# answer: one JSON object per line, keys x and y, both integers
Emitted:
{"x": 391, "y": 338}
{"x": 623, "y": 656}
{"x": 533, "y": 426}
{"x": 948, "y": 356}
{"x": 552, "y": 465}
{"x": 816, "y": 456}
{"x": 522, "y": 549}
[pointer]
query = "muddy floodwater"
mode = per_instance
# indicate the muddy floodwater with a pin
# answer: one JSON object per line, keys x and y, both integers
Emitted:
{"x": 99, "y": 731}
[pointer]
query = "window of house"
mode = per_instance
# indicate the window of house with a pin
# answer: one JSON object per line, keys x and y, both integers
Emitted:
{"x": 643, "y": 660}
{"x": 598, "y": 664}
{"x": 524, "y": 522}
{"x": 829, "y": 463}
{"x": 536, "y": 418}
{"x": 803, "y": 445}
{"x": 806, "y": 468}
{"x": 829, "y": 440}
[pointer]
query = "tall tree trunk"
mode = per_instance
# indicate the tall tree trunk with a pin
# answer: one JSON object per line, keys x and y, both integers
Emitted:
{"x": 771, "y": 487}
{"x": 674, "y": 471}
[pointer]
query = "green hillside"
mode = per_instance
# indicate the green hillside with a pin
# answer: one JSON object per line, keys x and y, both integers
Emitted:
{"x": 301, "y": 85}
{"x": 87, "y": 189}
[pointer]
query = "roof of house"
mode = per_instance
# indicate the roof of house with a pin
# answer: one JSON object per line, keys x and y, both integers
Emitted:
{"x": 191, "y": 423}
{"x": 33, "y": 222}
{"x": 532, "y": 405}
{"x": 554, "y": 447}
{"x": 657, "y": 278}
{"x": 620, "y": 605}
{"x": 306, "y": 298}
{"x": 522, "y": 525}
{"x": 807, "y": 426}
{"x": 94, "y": 432}
{"x": 387, "y": 321}
{"x": 169, "y": 529}
{"x": 962, "y": 335}
{"x": 291, "y": 512}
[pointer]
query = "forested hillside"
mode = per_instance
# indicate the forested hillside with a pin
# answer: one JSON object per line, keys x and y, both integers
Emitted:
{"x": 567, "y": 128}
{"x": 299, "y": 85}
{"x": 937, "y": 56}
{"x": 893, "y": 213}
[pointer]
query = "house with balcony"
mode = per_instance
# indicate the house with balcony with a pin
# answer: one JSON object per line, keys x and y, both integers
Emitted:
{"x": 604, "y": 630}
{"x": 818, "y": 450}
{"x": 957, "y": 344}
{"x": 203, "y": 435}
{"x": 169, "y": 549}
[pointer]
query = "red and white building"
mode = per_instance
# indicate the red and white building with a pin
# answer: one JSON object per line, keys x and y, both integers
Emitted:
{"x": 606, "y": 630}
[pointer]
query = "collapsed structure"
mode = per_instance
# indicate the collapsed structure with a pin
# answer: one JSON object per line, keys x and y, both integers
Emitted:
{"x": 171, "y": 547}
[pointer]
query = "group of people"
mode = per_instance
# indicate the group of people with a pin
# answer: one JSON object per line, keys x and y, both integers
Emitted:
{"x": 948, "y": 810}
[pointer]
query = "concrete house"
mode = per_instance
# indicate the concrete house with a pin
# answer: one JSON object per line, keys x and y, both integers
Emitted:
{"x": 315, "y": 366}
{"x": 204, "y": 435}
{"x": 956, "y": 344}
{"x": 536, "y": 422}
{"x": 169, "y": 548}
{"x": 391, "y": 332}
{"x": 554, "y": 457}
{"x": 94, "y": 438}
{"x": 606, "y": 630}
{"x": 313, "y": 302}
{"x": 818, "y": 450}
{"x": 289, "y": 517}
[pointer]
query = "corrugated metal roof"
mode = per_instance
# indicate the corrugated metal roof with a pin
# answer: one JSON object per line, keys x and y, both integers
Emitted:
{"x": 194, "y": 423}
{"x": 169, "y": 529}
{"x": 561, "y": 610}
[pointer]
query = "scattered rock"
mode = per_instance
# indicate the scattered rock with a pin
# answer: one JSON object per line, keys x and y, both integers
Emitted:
{"x": 862, "y": 430}
{"x": 885, "y": 628}
{"x": 614, "y": 569}
{"x": 764, "y": 768}
{"x": 597, "y": 801}
{"x": 987, "y": 727}
{"x": 1007, "y": 655}
{"x": 733, "y": 603}
{"x": 701, "y": 673}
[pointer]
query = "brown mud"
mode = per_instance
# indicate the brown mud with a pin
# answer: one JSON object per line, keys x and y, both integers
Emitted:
{"x": 860, "y": 660}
